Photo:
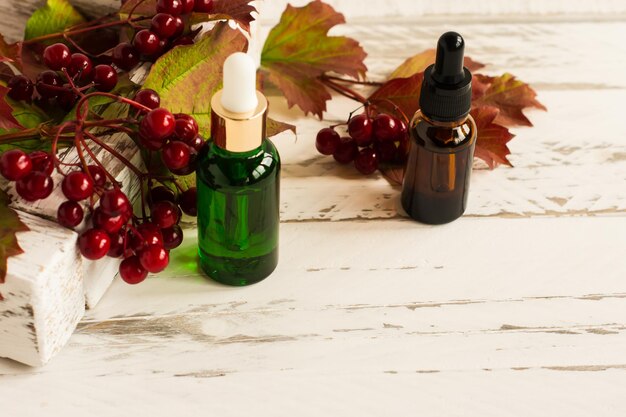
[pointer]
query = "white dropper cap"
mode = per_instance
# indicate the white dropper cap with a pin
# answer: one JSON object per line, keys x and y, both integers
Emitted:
{"x": 239, "y": 92}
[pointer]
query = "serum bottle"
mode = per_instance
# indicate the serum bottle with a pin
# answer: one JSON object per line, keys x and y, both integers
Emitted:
{"x": 238, "y": 181}
{"x": 443, "y": 137}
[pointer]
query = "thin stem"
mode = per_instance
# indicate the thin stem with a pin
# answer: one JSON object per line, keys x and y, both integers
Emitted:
{"x": 72, "y": 32}
{"x": 116, "y": 154}
{"x": 343, "y": 90}
{"x": 349, "y": 81}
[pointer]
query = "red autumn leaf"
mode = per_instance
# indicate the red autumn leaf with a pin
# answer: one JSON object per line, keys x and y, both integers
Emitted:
{"x": 421, "y": 61}
{"x": 298, "y": 51}
{"x": 7, "y": 120}
{"x": 403, "y": 93}
{"x": 10, "y": 224}
{"x": 509, "y": 95}
{"x": 11, "y": 53}
{"x": 491, "y": 144}
{"x": 237, "y": 10}
{"x": 393, "y": 173}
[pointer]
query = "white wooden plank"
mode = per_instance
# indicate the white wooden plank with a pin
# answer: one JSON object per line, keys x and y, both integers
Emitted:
{"x": 43, "y": 296}
{"x": 359, "y": 306}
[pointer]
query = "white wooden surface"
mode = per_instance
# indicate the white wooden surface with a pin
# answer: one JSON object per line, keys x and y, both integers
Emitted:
{"x": 517, "y": 309}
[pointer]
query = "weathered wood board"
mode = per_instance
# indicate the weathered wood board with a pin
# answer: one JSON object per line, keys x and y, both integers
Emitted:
{"x": 517, "y": 309}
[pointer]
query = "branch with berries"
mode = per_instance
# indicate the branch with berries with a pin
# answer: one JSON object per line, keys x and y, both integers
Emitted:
{"x": 69, "y": 84}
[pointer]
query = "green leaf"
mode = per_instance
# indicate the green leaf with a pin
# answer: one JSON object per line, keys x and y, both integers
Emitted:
{"x": 298, "y": 51}
{"x": 54, "y": 17}
{"x": 10, "y": 224}
{"x": 187, "y": 77}
{"x": 102, "y": 105}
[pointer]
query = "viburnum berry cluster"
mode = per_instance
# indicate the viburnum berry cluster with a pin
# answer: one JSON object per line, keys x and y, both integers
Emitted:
{"x": 141, "y": 237}
{"x": 374, "y": 138}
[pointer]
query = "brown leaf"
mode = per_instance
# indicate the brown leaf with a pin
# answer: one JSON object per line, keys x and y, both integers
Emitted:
{"x": 274, "y": 127}
{"x": 298, "y": 51}
{"x": 237, "y": 10}
{"x": 491, "y": 144}
{"x": 7, "y": 120}
{"x": 509, "y": 95}
{"x": 11, "y": 53}
{"x": 421, "y": 61}
{"x": 401, "y": 92}
{"x": 10, "y": 224}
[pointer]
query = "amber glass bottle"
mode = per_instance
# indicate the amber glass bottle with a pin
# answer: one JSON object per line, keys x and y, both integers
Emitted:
{"x": 443, "y": 137}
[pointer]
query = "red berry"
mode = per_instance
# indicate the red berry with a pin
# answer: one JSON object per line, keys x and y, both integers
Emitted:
{"x": 98, "y": 175}
{"x": 189, "y": 202}
{"x": 403, "y": 130}
{"x": 105, "y": 78}
{"x": 188, "y": 6}
{"x": 176, "y": 154}
{"x": 94, "y": 244}
{"x": 57, "y": 56}
{"x": 180, "y": 26}
{"x": 80, "y": 64}
{"x": 70, "y": 214}
{"x": 183, "y": 40}
{"x": 186, "y": 127}
{"x": 15, "y": 165}
{"x": 34, "y": 186}
{"x": 327, "y": 141}
{"x": 163, "y": 25}
{"x": 77, "y": 186}
{"x": 172, "y": 237}
{"x": 125, "y": 56}
{"x": 151, "y": 145}
{"x": 42, "y": 162}
{"x": 148, "y": 98}
{"x": 146, "y": 42}
{"x": 49, "y": 84}
{"x": 197, "y": 143}
{"x": 21, "y": 88}
{"x": 157, "y": 125}
{"x": 131, "y": 271}
{"x": 165, "y": 214}
{"x": 386, "y": 127}
{"x": 173, "y": 7}
{"x": 366, "y": 162}
{"x": 360, "y": 128}
{"x": 67, "y": 99}
{"x": 203, "y": 6}
{"x": 386, "y": 151}
{"x": 154, "y": 258}
{"x": 151, "y": 234}
{"x": 162, "y": 193}
{"x": 346, "y": 151}
{"x": 114, "y": 202}
{"x": 118, "y": 240}
{"x": 110, "y": 224}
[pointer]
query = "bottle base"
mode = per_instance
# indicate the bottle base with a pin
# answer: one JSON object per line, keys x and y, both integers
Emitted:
{"x": 238, "y": 272}
{"x": 431, "y": 210}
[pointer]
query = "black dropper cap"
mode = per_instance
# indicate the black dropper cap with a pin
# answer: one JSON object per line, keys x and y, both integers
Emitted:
{"x": 447, "y": 87}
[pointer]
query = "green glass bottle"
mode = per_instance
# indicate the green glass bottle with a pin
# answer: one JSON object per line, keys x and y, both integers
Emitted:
{"x": 238, "y": 182}
{"x": 239, "y": 219}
